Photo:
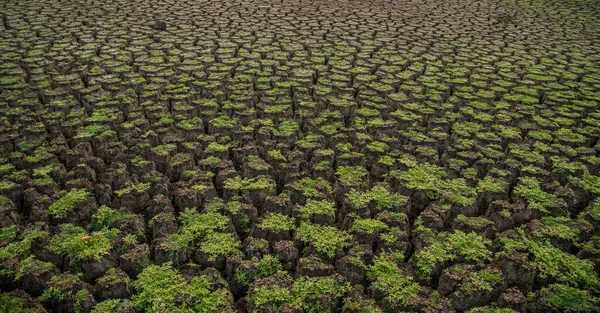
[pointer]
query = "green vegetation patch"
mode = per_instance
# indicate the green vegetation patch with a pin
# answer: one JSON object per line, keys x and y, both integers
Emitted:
{"x": 114, "y": 305}
{"x": 11, "y": 304}
{"x": 249, "y": 184}
{"x": 368, "y": 225}
{"x": 68, "y": 202}
{"x": 327, "y": 240}
{"x": 351, "y": 174}
{"x": 529, "y": 188}
{"x": 15, "y": 245}
{"x": 551, "y": 262}
{"x": 387, "y": 277}
{"x": 317, "y": 207}
{"x": 309, "y": 292}
{"x": 379, "y": 195}
{"x": 447, "y": 247}
{"x": 139, "y": 188}
{"x": 208, "y": 231}
{"x": 78, "y": 244}
{"x": 569, "y": 299}
{"x": 278, "y": 222}
{"x": 161, "y": 288}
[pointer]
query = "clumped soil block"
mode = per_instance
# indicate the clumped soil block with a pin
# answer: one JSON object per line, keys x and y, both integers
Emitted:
{"x": 299, "y": 156}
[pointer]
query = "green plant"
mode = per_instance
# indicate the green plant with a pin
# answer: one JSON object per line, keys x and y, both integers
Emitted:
{"x": 558, "y": 227}
{"x": 478, "y": 222}
{"x": 161, "y": 288}
{"x": 491, "y": 184}
{"x": 112, "y": 277}
{"x": 30, "y": 263}
{"x": 241, "y": 278}
{"x": 273, "y": 295}
{"x": 529, "y": 188}
{"x": 423, "y": 177}
{"x": 245, "y": 185}
{"x": 215, "y": 147}
{"x": 395, "y": 283}
{"x": 90, "y": 131}
{"x": 6, "y": 168}
{"x": 551, "y": 262}
{"x": 53, "y": 294}
{"x": 313, "y": 188}
{"x": 387, "y": 160}
{"x": 196, "y": 226}
{"x": 592, "y": 183}
{"x": 64, "y": 287}
{"x": 317, "y": 207}
{"x": 378, "y": 146}
{"x": 106, "y": 217}
{"x": 447, "y": 247}
{"x": 113, "y": 305}
{"x": 369, "y": 225}
{"x": 220, "y": 244}
{"x": 327, "y": 240}
{"x": 15, "y": 246}
{"x": 361, "y": 305}
{"x": 380, "y": 195}
{"x": 11, "y": 304}
{"x": 569, "y": 299}
{"x": 308, "y": 293}
{"x": 278, "y": 222}
{"x": 268, "y": 265}
{"x": 164, "y": 149}
{"x": 75, "y": 242}
{"x": 351, "y": 174}
{"x": 277, "y": 155}
{"x": 139, "y": 188}
{"x": 68, "y": 202}
{"x": 483, "y": 280}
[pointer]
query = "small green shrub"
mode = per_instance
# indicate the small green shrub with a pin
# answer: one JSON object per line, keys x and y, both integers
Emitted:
{"x": 161, "y": 288}
{"x": 70, "y": 241}
{"x": 551, "y": 262}
{"x": 558, "y": 227}
{"x": 327, "y": 240}
{"x": 106, "y": 217}
{"x": 380, "y": 195}
{"x": 483, "y": 280}
{"x": 273, "y": 295}
{"x": 317, "y": 207}
{"x": 10, "y": 304}
{"x": 569, "y": 299}
{"x": 220, "y": 244}
{"x": 139, "y": 188}
{"x": 313, "y": 188}
{"x": 16, "y": 246}
{"x": 447, "y": 247}
{"x": 68, "y": 202}
{"x": 113, "y": 305}
{"x": 529, "y": 188}
{"x": 195, "y": 227}
{"x": 308, "y": 293}
{"x": 267, "y": 266}
{"x": 249, "y": 184}
{"x": 368, "y": 224}
{"x": 278, "y": 222}
{"x": 387, "y": 277}
{"x": 351, "y": 174}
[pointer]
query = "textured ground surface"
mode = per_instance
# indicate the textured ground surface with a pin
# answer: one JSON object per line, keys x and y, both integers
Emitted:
{"x": 299, "y": 156}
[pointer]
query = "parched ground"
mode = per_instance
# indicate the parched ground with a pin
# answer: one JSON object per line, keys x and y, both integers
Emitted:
{"x": 300, "y": 156}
